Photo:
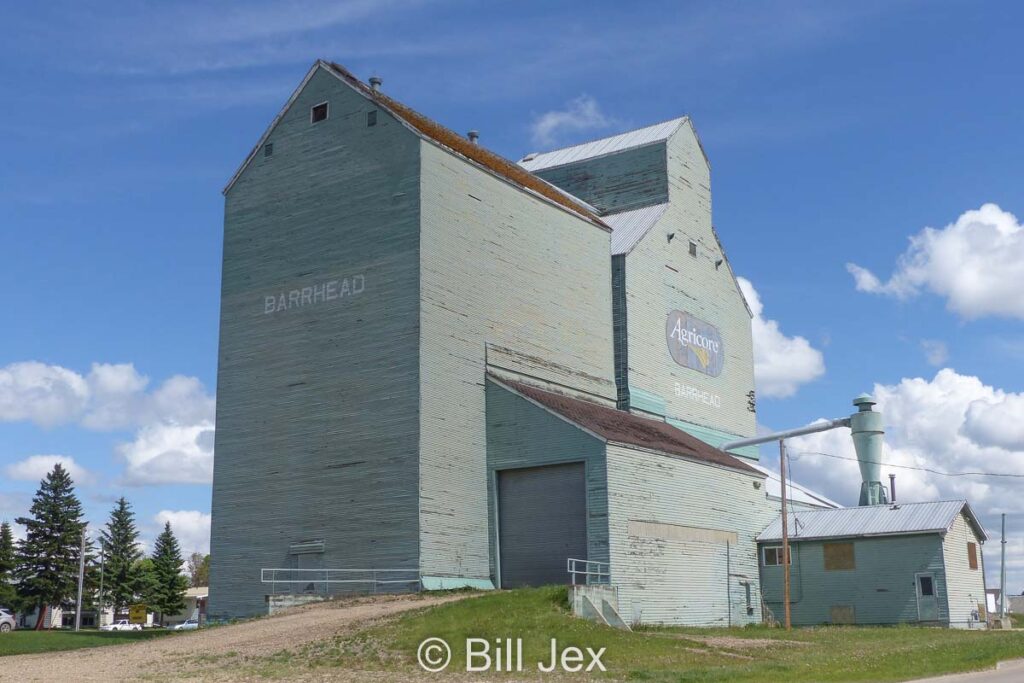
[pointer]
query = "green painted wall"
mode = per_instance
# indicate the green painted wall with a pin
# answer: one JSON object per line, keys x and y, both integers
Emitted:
{"x": 317, "y": 410}
{"x": 616, "y": 182}
{"x": 498, "y": 267}
{"x": 523, "y": 434}
{"x": 881, "y": 588}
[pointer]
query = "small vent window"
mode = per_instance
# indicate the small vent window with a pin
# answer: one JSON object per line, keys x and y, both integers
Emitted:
{"x": 972, "y": 555}
{"x": 371, "y": 118}
{"x": 771, "y": 556}
{"x": 268, "y": 149}
{"x": 693, "y": 249}
{"x": 318, "y": 113}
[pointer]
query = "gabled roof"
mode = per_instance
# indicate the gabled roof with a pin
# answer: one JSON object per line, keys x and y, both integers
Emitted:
{"x": 609, "y": 145}
{"x": 629, "y": 227}
{"x": 620, "y": 427}
{"x": 873, "y": 520}
{"x": 434, "y": 132}
{"x": 794, "y": 491}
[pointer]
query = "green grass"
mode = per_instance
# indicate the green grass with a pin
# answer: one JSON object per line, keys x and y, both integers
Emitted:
{"x": 29, "y": 642}
{"x": 660, "y": 655}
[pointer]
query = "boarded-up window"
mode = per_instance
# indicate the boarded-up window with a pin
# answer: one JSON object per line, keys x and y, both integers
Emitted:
{"x": 972, "y": 555}
{"x": 839, "y": 556}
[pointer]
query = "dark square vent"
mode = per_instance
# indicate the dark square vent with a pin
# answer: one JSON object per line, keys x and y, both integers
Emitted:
{"x": 371, "y": 118}
{"x": 268, "y": 149}
{"x": 318, "y": 113}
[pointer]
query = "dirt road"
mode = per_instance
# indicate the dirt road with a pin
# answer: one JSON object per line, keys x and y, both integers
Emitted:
{"x": 208, "y": 654}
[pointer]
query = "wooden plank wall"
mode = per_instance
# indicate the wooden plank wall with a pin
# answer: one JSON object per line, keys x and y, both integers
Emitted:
{"x": 966, "y": 586}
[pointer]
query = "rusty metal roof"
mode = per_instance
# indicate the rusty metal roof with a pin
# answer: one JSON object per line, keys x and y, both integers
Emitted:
{"x": 618, "y": 426}
{"x": 873, "y": 520}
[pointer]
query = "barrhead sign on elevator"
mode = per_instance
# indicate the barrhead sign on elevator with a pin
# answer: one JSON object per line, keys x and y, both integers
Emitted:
{"x": 318, "y": 292}
{"x": 694, "y": 343}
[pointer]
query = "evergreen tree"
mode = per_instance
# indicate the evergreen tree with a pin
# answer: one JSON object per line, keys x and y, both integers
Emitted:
{"x": 47, "y": 559}
{"x": 121, "y": 554}
{"x": 168, "y": 596}
{"x": 8, "y": 596}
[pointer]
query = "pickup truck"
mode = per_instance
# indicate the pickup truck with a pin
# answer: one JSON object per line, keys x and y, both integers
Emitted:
{"x": 121, "y": 625}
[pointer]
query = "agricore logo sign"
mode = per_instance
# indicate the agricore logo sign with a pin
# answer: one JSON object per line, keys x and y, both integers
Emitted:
{"x": 694, "y": 343}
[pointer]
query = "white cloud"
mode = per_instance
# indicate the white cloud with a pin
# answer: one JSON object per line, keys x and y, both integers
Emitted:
{"x": 935, "y": 352}
{"x": 579, "y": 115}
{"x": 35, "y": 468}
{"x": 48, "y": 395}
{"x": 190, "y": 527}
{"x": 951, "y": 423}
{"x": 781, "y": 363}
{"x": 976, "y": 264}
{"x": 165, "y": 453}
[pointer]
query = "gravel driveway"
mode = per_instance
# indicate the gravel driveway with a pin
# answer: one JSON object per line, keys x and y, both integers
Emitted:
{"x": 203, "y": 655}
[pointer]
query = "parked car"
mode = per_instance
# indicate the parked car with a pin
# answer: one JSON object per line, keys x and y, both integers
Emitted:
{"x": 189, "y": 625}
{"x": 121, "y": 625}
{"x": 6, "y": 621}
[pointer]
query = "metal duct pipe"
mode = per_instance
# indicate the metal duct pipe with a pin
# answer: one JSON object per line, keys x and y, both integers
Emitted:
{"x": 866, "y": 425}
{"x": 892, "y": 488}
{"x": 777, "y": 436}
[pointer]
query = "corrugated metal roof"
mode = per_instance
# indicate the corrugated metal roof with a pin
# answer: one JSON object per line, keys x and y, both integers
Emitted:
{"x": 596, "y": 148}
{"x": 794, "y": 491}
{"x": 872, "y": 520}
{"x": 629, "y": 227}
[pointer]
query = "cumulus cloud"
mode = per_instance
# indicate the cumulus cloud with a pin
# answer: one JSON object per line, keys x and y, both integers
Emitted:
{"x": 48, "y": 395}
{"x": 579, "y": 115}
{"x": 190, "y": 527}
{"x": 935, "y": 352}
{"x": 952, "y": 423}
{"x": 781, "y": 363}
{"x": 35, "y": 468}
{"x": 168, "y": 452}
{"x": 976, "y": 264}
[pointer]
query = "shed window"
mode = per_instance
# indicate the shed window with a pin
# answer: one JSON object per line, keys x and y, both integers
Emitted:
{"x": 771, "y": 555}
{"x": 927, "y": 585}
{"x": 693, "y": 249}
{"x": 318, "y": 113}
{"x": 972, "y": 555}
{"x": 839, "y": 556}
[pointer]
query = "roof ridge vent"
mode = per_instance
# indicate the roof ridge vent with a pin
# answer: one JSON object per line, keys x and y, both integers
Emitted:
{"x": 473, "y": 136}
{"x": 375, "y": 83}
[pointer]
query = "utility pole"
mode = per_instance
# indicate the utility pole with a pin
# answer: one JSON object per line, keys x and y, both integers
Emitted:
{"x": 99, "y": 617}
{"x": 81, "y": 581}
{"x": 1002, "y": 574}
{"x": 785, "y": 535}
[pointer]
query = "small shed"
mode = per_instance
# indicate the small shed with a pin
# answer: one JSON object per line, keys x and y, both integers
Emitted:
{"x": 879, "y": 564}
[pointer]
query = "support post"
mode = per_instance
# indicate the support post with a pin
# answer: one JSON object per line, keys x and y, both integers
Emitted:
{"x": 1002, "y": 573}
{"x": 81, "y": 581}
{"x": 785, "y": 536}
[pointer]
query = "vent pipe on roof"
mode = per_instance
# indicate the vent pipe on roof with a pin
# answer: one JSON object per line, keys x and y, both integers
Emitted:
{"x": 866, "y": 425}
{"x": 375, "y": 83}
{"x": 473, "y": 136}
{"x": 892, "y": 488}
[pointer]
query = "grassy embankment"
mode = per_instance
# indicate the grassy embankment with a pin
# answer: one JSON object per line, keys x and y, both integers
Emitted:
{"x": 655, "y": 654}
{"x": 29, "y": 642}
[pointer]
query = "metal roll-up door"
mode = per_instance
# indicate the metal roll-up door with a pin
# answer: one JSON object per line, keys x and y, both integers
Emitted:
{"x": 542, "y": 521}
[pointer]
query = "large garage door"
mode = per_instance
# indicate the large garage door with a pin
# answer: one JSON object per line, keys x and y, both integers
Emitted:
{"x": 542, "y": 520}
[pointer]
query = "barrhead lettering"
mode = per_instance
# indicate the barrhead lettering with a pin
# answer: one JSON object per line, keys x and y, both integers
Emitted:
{"x": 320, "y": 292}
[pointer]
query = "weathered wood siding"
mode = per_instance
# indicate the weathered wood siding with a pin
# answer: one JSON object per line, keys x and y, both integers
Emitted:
{"x": 522, "y": 434}
{"x": 317, "y": 404}
{"x": 512, "y": 281}
{"x": 617, "y": 182}
{"x": 966, "y": 586}
{"x": 881, "y": 589}
{"x": 662, "y": 579}
{"x": 662, "y": 276}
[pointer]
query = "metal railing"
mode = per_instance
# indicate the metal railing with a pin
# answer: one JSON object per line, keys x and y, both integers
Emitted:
{"x": 323, "y": 581}
{"x": 592, "y": 571}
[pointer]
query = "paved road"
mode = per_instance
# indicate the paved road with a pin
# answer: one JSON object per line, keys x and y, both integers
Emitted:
{"x": 1007, "y": 672}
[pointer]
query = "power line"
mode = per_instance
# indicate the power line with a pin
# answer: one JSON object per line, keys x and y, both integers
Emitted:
{"x": 920, "y": 469}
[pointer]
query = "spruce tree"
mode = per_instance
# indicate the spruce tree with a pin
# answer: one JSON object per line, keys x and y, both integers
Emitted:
{"x": 8, "y": 596}
{"x": 169, "y": 592}
{"x": 121, "y": 554}
{"x": 47, "y": 559}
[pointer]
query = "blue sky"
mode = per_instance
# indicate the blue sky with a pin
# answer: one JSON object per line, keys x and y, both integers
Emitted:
{"x": 836, "y": 131}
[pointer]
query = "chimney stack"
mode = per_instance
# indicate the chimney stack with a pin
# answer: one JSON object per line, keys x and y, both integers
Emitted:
{"x": 892, "y": 488}
{"x": 473, "y": 136}
{"x": 375, "y": 83}
{"x": 866, "y": 425}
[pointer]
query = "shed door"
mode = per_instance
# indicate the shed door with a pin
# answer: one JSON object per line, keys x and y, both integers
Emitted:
{"x": 927, "y": 602}
{"x": 542, "y": 521}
